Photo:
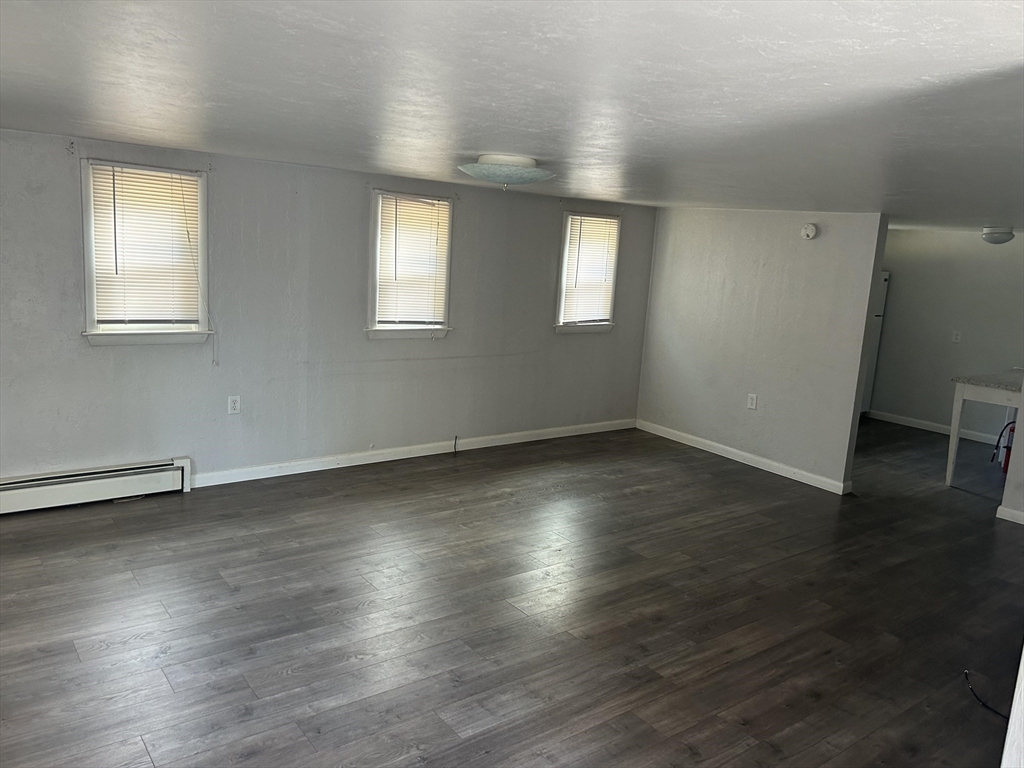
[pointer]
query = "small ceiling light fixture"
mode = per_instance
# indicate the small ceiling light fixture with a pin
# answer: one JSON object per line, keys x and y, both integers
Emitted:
{"x": 506, "y": 169}
{"x": 997, "y": 235}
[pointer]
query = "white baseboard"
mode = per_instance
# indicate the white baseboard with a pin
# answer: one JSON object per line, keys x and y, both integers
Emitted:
{"x": 298, "y": 466}
{"x": 469, "y": 443}
{"x": 406, "y": 452}
{"x": 743, "y": 457}
{"x": 1013, "y": 515}
{"x": 931, "y": 426}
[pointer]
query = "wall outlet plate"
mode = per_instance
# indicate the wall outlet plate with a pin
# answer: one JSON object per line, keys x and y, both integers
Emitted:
{"x": 234, "y": 404}
{"x": 752, "y": 402}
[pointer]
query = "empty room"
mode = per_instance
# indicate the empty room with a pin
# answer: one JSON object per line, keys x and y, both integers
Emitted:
{"x": 511, "y": 383}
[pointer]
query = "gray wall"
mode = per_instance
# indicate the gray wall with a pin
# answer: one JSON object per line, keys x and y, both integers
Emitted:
{"x": 740, "y": 304}
{"x": 944, "y": 281}
{"x": 289, "y": 259}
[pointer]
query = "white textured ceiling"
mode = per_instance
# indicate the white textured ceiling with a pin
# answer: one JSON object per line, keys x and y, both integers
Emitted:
{"x": 913, "y": 108}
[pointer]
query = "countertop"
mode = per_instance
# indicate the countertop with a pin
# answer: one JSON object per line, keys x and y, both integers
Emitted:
{"x": 1009, "y": 380}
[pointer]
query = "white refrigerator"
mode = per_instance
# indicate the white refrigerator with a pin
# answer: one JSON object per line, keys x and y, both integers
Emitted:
{"x": 873, "y": 335}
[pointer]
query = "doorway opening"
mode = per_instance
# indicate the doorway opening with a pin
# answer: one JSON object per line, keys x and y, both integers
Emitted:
{"x": 944, "y": 352}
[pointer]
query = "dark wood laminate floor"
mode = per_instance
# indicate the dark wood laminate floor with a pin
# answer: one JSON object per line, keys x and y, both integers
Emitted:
{"x": 614, "y": 599}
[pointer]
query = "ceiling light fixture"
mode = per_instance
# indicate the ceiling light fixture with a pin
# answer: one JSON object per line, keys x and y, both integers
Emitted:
{"x": 506, "y": 169}
{"x": 997, "y": 235}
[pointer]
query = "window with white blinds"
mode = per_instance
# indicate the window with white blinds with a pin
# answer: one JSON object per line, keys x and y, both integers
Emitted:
{"x": 589, "y": 255}
{"x": 412, "y": 261}
{"x": 145, "y": 247}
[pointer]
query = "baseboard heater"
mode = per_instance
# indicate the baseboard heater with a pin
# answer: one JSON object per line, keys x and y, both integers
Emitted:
{"x": 58, "y": 489}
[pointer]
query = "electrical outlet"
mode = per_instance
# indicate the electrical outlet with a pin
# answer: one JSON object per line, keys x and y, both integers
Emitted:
{"x": 956, "y": 337}
{"x": 752, "y": 402}
{"x": 234, "y": 404}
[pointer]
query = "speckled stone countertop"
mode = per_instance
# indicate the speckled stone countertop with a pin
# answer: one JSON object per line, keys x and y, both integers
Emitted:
{"x": 1010, "y": 380}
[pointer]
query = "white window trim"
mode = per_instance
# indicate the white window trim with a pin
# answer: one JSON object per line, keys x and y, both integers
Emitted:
{"x": 408, "y": 332}
{"x": 597, "y": 326}
{"x": 391, "y": 330}
{"x": 584, "y": 327}
{"x": 96, "y": 335}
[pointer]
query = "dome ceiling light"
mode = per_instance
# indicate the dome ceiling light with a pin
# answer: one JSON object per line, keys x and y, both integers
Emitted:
{"x": 997, "y": 235}
{"x": 506, "y": 170}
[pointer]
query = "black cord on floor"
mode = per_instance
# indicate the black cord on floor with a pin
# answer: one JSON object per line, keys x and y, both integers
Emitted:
{"x": 967, "y": 677}
{"x": 1000, "y": 439}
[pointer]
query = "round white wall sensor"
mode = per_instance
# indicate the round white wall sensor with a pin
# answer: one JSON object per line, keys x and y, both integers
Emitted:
{"x": 809, "y": 231}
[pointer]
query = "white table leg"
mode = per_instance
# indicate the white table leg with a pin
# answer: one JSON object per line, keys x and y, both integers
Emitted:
{"x": 954, "y": 432}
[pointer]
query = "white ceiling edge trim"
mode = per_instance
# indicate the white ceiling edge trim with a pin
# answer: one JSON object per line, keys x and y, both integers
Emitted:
{"x": 209, "y": 156}
{"x": 912, "y": 227}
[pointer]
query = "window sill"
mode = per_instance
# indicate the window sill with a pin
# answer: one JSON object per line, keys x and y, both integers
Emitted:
{"x": 113, "y": 338}
{"x": 585, "y": 328}
{"x": 407, "y": 333}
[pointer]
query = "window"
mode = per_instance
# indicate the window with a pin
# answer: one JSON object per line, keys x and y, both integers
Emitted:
{"x": 145, "y": 246}
{"x": 409, "y": 297}
{"x": 589, "y": 254}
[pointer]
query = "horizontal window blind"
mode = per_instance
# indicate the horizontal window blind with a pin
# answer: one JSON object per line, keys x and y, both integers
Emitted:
{"x": 412, "y": 260}
{"x": 588, "y": 274}
{"x": 145, "y": 246}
